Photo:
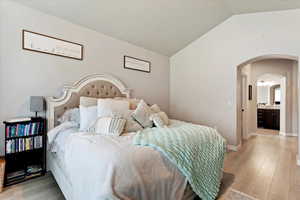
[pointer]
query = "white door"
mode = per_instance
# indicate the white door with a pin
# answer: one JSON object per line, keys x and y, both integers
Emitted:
{"x": 244, "y": 107}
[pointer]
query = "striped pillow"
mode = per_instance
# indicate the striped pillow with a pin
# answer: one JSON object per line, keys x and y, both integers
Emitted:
{"x": 110, "y": 125}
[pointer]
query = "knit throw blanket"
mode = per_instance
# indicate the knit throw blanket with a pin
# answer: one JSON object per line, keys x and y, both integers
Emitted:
{"x": 197, "y": 151}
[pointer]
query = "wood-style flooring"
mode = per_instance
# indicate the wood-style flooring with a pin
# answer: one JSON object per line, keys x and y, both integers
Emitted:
{"x": 265, "y": 168}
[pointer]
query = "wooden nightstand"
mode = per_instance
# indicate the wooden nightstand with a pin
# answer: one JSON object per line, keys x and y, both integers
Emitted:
{"x": 25, "y": 150}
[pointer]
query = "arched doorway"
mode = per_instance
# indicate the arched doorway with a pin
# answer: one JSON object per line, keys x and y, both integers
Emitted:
{"x": 246, "y": 92}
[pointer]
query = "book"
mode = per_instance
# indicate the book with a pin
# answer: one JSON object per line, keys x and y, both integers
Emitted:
{"x": 23, "y": 119}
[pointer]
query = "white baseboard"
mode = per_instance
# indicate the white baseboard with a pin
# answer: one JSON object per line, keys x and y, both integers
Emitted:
{"x": 280, "y": 133}
{"x": 288, "y": 134}
{"x": 298, "y": 160}
{"x": 234, "y": 147}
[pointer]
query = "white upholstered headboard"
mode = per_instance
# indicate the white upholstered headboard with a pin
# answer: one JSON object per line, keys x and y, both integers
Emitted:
{"x": 96, "y": 85}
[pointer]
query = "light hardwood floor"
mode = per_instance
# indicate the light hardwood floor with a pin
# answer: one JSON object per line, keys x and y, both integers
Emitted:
{"x": 265, "y": 168}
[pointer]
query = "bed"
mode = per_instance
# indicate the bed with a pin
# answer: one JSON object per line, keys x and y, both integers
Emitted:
{"x": 106, "y": 86}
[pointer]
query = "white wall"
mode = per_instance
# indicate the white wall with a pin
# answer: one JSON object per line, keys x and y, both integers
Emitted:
{"x": 25, "y": 73}
{"x": 203, "y": 75}
{"x": 284, "y": 124}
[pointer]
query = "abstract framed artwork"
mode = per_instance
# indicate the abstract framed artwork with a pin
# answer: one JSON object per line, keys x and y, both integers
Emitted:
{"x": 50, "y": 45}
{"x": 137, "y": 64}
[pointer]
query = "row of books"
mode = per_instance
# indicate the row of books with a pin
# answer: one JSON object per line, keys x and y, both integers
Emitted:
{"x": 24, "y": 129}
{"x": 24, "y": 144}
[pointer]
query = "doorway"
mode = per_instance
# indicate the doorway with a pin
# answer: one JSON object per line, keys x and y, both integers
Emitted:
{"x": 271, "y": 104}
{"x": 269, "y": 85}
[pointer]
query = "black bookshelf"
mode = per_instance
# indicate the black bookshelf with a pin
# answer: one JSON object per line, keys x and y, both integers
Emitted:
{"x": 25, "y": 150}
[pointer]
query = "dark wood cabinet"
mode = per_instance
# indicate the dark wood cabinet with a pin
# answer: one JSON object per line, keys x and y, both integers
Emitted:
{"x": 268, "y": 118}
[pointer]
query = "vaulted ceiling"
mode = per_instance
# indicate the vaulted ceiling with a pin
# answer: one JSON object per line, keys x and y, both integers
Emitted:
{"x": 164, "y": 26}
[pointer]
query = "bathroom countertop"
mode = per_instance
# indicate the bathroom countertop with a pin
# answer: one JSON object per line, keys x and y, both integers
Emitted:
{"x": 272, "y": 107}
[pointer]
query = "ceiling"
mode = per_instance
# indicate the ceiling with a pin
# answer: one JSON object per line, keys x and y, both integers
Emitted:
{"x": 163, "y": 26}
{"x": 270, "y": 79}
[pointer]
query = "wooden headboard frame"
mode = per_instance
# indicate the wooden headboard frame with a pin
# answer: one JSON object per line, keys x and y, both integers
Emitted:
{"x": 95, "y": 85}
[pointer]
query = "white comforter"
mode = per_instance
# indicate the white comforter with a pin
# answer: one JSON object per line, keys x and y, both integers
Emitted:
{"x": 107, "y": 167}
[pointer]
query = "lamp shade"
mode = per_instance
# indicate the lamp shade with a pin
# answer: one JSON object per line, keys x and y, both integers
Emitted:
{"x": 37, "y": 104}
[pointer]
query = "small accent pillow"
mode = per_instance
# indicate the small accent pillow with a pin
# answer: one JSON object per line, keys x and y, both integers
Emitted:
{"x": 142, "y": 114}
{"x": 71, "y": 115}
{"x": 155, "y": 108}
{"x": 160, "y": 119}
{"x": 88, "y": 101}
{"x": 110, "y": 126}
{"x": 88, "y": 115}
{"x": 131, "y": 125}
{"x": 112, "y": 107}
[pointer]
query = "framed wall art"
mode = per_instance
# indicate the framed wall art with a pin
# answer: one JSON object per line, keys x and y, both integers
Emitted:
{"x": 137, "y": 64}
{"x": 50, "y": 45}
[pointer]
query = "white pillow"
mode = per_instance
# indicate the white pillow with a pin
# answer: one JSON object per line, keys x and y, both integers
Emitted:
{"x": 111, "y": 107}
{"x": 71, "y": 115}
{"x": 88, "y": 116}
{"x": 88, "y": 101}
{"x": 142, "y": 114}
{"x": 155, "y": 108}
{"x": 132, "y": 102}
{"x": 110, "y": 125}
{"x": 160, "y": 119}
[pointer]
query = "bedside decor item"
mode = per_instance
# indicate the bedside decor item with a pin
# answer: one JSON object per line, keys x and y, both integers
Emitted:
{"x": 25, "y": 150}
{"x": 50, "y": 45}
{"x": 2, "y": 170}
{"x": 137, "y": 64}
{"x": 37, "y": 104}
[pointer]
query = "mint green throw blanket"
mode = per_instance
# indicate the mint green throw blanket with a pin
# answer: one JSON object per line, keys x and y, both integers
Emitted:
{"x": 197, "y": 151}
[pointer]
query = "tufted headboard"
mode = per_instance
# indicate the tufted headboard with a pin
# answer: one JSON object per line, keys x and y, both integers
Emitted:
{"x": 96, "y": 85}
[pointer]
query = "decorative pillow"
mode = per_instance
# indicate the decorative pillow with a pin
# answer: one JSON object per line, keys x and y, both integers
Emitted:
{"x": 88, "y": 115}
{"x": 110, "y": 126}
{"x": 131, "y": 125}
{"x": 142, "y": 114}
{"x": 155, "y": 108}
{"x": 88, "y": 101}
{"x": 132, "y": 102}
{"x": 160, "y": 119}
{"x": 71, "y": 115}
{"x": 112, "y": 107}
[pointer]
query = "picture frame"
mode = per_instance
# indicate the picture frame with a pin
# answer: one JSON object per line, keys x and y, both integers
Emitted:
{"x": 46, "y": 44}
{"x": 137, "y": 64}
{"x": 250, "y": 92}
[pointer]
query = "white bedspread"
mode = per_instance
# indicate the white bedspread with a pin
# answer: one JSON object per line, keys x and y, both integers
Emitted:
{"x": 108, "y": 167}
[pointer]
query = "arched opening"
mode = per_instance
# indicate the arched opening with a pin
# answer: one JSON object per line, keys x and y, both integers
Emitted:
{"x": 252, "y": 71}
